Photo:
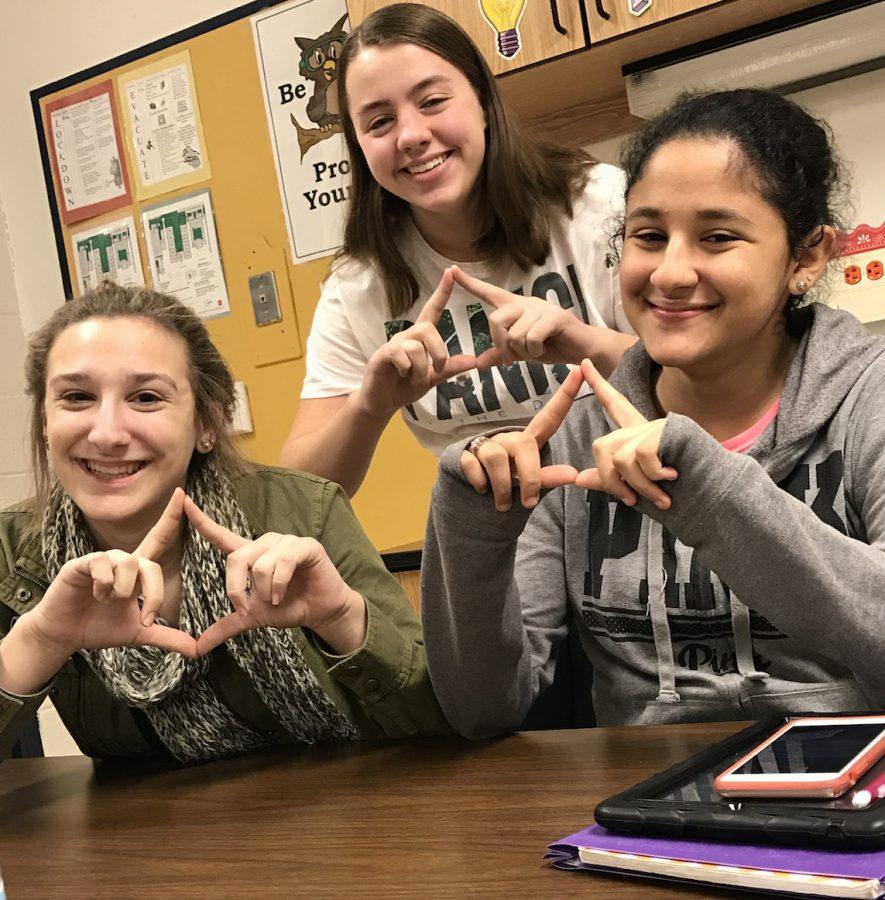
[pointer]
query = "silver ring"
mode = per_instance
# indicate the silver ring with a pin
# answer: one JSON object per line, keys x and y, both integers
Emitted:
{"x": 476, "y": 443}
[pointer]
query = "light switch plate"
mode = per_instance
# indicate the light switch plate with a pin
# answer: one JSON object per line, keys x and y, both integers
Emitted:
{"x": 265, "y": 303}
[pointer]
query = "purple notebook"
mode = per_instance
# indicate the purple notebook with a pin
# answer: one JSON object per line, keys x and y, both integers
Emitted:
{"x": 854, "y": 864}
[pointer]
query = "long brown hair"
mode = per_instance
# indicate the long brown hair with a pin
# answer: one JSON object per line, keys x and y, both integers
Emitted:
{"x": 522, "y": 184}
{"x": 210, "y": 379}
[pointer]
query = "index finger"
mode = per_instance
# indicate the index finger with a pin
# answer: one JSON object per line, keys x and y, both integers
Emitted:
{"x": 482, "y": 290}
{"x": 622, "y": 411}
{"x": 545, "y": 423}
{"x": 438, "y": 299}
{"x": 163, "y": 533}
{"x": 217, "y": 535}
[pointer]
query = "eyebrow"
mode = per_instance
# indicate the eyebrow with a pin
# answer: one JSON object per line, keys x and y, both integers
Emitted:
{"x": 715, "y": 214}
{"x": 420, "y": 86}
{"x": 139, "y": 378}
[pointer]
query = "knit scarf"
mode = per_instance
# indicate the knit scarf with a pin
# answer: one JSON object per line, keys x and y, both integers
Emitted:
{"x": 190, "y": 719}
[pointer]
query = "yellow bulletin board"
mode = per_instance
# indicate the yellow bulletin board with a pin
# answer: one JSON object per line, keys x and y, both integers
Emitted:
{"x": 251, "y": 231}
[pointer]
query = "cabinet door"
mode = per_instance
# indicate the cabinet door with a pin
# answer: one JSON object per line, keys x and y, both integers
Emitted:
{"x": 610, "y": 18}
{"x": 546, "y": 28}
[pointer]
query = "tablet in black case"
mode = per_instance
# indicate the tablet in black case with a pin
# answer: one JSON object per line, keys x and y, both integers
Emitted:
{"x": 682, "y": 802}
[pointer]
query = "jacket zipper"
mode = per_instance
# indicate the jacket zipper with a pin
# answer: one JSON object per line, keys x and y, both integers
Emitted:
{"x": 23, "y": 573}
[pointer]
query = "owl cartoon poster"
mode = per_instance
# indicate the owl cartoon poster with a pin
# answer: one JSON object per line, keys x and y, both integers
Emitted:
{"x": 297, "y": 46}
{"x": 859, "y": 285}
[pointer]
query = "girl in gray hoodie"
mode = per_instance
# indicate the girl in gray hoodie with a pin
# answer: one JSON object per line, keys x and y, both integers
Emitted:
{"x": 717, "y": 530}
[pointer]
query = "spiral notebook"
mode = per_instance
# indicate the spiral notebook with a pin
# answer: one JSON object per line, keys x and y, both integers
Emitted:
{"x": 784, "y": 870}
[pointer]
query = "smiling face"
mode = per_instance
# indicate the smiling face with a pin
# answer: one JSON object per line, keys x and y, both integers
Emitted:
{"x": 420, "y": 126}
{"x": 706, "y": 264}
{"x": 120, "y": 422}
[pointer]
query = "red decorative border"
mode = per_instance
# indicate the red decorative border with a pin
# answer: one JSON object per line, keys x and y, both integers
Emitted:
{"x": 861, "y": 240}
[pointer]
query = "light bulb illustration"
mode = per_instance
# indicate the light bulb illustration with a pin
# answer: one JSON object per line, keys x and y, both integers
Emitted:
{"x": 504, "y": 16}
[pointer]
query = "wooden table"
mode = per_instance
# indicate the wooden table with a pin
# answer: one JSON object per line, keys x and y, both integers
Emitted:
{"x": 431, "y": 817}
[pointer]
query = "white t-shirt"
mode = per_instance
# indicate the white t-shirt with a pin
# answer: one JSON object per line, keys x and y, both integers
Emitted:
{"x": 352, "y": 321}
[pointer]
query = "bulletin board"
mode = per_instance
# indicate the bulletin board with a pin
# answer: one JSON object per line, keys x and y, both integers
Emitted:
{"x": 230, "y": 193}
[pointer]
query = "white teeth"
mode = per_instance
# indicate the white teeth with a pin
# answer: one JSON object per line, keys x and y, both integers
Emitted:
{"x": 117, "y": 471}
{"x": 426, "y": 167}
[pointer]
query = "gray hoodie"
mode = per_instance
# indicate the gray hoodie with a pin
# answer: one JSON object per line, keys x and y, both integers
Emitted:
{"x": 761, "y": 589}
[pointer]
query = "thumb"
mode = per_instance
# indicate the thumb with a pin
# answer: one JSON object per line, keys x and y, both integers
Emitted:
{"x": 456, "y": 365}
{"x": 558, "y": 476}
{"x": 589, "y": 480}
{"x": 167, "y": 638}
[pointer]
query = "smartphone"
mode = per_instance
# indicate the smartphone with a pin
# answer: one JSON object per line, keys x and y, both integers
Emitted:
{"x": 819, "y": 757}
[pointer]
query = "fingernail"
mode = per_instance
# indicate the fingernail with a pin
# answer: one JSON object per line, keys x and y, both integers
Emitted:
{"x": 531, "y": 502}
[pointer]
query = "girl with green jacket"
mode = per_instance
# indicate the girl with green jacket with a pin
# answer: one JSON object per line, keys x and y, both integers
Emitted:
{"x": 169, "y": 597}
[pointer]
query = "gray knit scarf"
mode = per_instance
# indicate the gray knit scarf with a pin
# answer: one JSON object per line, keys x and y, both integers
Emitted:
{"x": 190, "y": 720}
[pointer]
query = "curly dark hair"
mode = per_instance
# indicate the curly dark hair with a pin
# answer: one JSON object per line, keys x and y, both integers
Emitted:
{"x": 790, "y": 153}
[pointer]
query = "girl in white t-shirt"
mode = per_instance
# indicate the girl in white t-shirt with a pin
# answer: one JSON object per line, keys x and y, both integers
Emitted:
{"x": 441, "y": 173}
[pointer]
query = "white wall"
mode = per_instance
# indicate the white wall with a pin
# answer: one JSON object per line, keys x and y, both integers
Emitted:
{"x": 14, "y": 478}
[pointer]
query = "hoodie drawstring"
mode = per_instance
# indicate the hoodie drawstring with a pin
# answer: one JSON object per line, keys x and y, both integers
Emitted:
{"x": 657, "y": 608}
{"x": 660, "y": 626}
{"x": 743, "y": 640}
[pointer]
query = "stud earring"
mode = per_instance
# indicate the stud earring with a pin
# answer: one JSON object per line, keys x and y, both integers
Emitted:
{"x": 801, "y": 287}
{"x": 206, "y": 444}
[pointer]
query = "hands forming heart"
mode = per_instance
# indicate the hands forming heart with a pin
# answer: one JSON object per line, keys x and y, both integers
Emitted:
{"x": 628, "y": 463}
{"x": 112, "y": 598}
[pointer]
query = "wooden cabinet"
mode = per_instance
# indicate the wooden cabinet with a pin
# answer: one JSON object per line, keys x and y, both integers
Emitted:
{"x": 580, "y": 98}
{"x": 612, "y": 18}
{"x": 546, "y": 29}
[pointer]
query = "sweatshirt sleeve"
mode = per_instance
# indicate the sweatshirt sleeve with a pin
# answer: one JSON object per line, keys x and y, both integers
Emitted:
{"x": 493, "y": 610}
{"x": 776, "y": 554}
{"x": 388, "y": 675}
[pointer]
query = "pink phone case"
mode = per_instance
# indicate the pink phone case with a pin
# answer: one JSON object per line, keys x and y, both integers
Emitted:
{"x": 824, "y": 786}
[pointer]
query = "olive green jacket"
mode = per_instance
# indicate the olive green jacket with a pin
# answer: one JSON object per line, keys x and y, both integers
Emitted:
{"x": 383, "y": 687}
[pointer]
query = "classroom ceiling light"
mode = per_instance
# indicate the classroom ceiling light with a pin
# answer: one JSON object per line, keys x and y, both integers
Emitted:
{"x": 794, "y": 58}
